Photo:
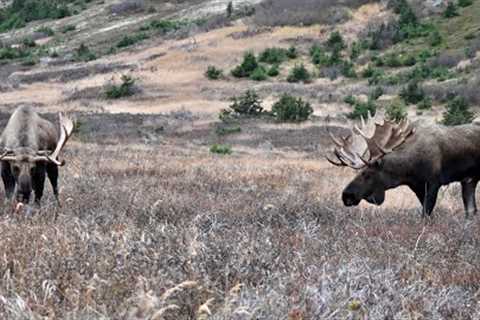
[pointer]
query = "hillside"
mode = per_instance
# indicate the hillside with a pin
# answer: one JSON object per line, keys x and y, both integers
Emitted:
{"x": 178, "y": 206}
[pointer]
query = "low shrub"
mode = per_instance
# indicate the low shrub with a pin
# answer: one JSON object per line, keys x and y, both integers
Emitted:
{"x": 221, "y": 149}
{"x": 465, "y": 3}
{"x": 246, "y": 68}
{"x": 362, "y": 109}
{"x": 9, "y": 53}
{"x": 29, "y": 42}
{"x": 335, "y": 41}
{"x": 413, "y": 93}
{"x": 248, "y": 103}
{"x": 396, "y": 111}
{"x": 457, "y": 112}
{"x": 425, "y": 104}
{"x": 223, "y": 131}
{"x": 451, "y": 10}
{"x": 348, "y": 69}
{"x": 68, "y": 28}
{"x": 290, "y": 108}
{"x": 376, "y": 93}
{"x": 274, "y": 70}
{"x": 319, "y": 56}
{"x": 259, "y": 74}
{"x": 273, "y": 55}
{"x": 46, "y": 31}
{"x": 125, "y": 89}
{"x": 83, "y": 53}
{"x": 435, "y": 38}
{"x": 213, "y": 73}
{"x": 127, "y": 40}
{"x": 292, "y": 52}
{"x": 299, "y": 74}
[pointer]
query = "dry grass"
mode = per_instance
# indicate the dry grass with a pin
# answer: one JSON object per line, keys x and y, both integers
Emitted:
{"x": 171, "y": 233}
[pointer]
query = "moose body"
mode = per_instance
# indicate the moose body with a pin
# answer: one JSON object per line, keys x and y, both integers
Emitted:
{"x": 30, "y": 147}
{"x": 424, "y": 159}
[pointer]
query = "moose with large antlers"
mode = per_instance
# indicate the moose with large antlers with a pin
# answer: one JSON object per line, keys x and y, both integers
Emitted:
{"x": 423, "y": 158}
{"x": 31, "y": 146}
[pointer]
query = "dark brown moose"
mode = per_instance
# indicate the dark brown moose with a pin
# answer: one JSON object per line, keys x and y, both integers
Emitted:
{"x": 31, "y": 146}
{"x": 423, "y": 158}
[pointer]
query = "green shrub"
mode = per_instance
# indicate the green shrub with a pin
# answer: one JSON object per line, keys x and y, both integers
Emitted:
{"x": 83, "y": 53}
{"x": 450, "y": 11}
{"x": 465, "y": 3}
{"x": 289, "y": 108}
{"x": 30, "y": 61}
{"x": 9, "y": 53}
{"x": 335, "y": 57}
{"x": 274, "y": 70}
{"x": 19, "y": 12}
{"x": 377, "y": 76}
{"x": 363, "y": 109}
{"x": 259, "y": 74}
{"x": 413, "y": 93}
{"x": 292, "y": 52}
{"x": 408, "y": 60}
{"x": 335, "y": 41}
{"x": 165, "y": 26}
{"x": 368, "y": 71}
{"x": 46, "y": 31}
{"x": 435, "y": 38}
{"x": 376, "y": 93}
{"x": 273, "y": 55}
{"x": 348, "y": 70}
{"x": 125, "y": 89}
{"x": 229, "y": 9}
{"x": 223, "y": 131}
{"x": 356, "y": 49}
{"x": 425, "y": 104}
{"x": 248, "y": 65}
{"x": 350, "y": 100}
{"x": 392, "y": 60}
{"x": 319, "y": 57}
{"x": 29, "y": 42}
{"x": 68, "y": 28}
{"x": 222, "y": 149}
{"x": 396, "y": 111}
{"x": 457, "y": 112}
{"x": 299, "y": 74}
{"x": 213, "y": 73}
{"x": 248, "y": 103}
{"x": 127, "y": 40}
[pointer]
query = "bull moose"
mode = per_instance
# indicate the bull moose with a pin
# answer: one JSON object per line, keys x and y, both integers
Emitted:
{"x": 31, "y": 146}
{"x": 422, "y": 157}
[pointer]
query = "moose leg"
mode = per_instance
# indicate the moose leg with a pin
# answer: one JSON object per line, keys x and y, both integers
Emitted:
{"x": 427, "y": 195}
{"x": 468, "y": 195}
{"x": 8, "y": 179}
{"x": 38, "y": 183}
{"x": 52, "y": 172}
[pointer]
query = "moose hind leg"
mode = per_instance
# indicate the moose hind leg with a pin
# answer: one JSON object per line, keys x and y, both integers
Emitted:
{"x": 38, "y": 183}
{"x": 468, "y": 196}
{"x": 8, "y": 179}
{"x": 52, "y": 172}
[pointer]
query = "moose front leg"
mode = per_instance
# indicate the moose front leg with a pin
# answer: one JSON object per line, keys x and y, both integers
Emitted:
{"x": 8, "y": 180}
{"x": 468, "y": 195}
{"x": 427, "y": 195}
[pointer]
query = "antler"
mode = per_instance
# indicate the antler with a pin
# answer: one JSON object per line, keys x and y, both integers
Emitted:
{"x": 376, "y": 138}
{"x": 66, "y": 129}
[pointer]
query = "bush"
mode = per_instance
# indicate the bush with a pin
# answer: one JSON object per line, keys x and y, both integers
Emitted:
{"x": 274, "y": 71}
{"x": 450, "y": 11}
{"x": 29, "y": 42}
{"x": 259, "y": 74}
{"x": 125, "y": 89}
{"x": 273, "y": 55}
{"x": 9, "y": 53}
{"x": 213, "y": 73}
{"x": 348, "y": 70}
{"x": 425, "y": 104}
{"x": 457, "y": 112}
{"x": 19, "y": 12}
{"x": 376, "y": 93}
{"x": 222, "y": 149}
{"x": 435, "y": 38}
{"x": 292, "y": 52}
{"x": 356, "y": 49}
{"x": 229, "y": 10}
{"x": 68, "y": 28}
{"x": 335, "y": 41}
{"x": 350, "y": 100}
{"x": 127, "y": 41}
{"x": 363, "y": 109}
{"x": 299, "y": 74}
{"x": 46, "y": 31}
{"x": 246, "y": 68}
{"x": 465, "y": 3}
{"x": 319, "y": 57}
{"x": 413, "y": 93}
{"x": 247, "y": 104}
{"x": 396, "y": 111}
{"x": 289, "y": 108}
{"x": 165, "y": 26}
{"x": 83, "y": 53}
{"x": 223, "y": 131}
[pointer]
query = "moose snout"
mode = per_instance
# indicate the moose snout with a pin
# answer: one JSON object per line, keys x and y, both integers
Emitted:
{"x": 350, "y": 199}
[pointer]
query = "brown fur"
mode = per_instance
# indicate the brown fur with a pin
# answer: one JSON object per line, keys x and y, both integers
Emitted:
{"x": 434, "y": 156}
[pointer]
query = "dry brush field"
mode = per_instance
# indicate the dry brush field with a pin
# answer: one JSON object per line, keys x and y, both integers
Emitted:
{"x": 170, "y": 231}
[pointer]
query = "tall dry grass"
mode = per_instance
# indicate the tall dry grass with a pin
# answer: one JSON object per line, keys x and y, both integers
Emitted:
{"x": 169, "y": 233}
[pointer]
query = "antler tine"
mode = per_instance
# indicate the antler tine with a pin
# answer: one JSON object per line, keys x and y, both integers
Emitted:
{"x": 66, "y": 129}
